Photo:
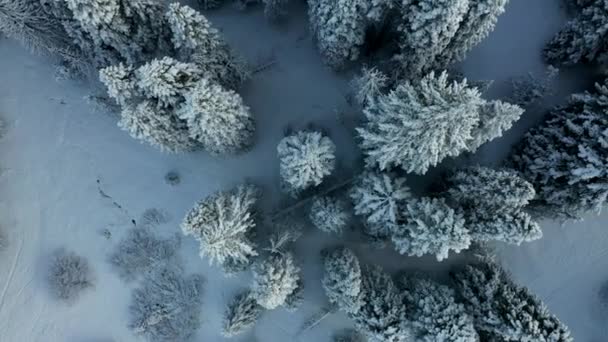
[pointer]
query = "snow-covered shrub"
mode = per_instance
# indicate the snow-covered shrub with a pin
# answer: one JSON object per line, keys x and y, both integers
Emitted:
{"x": 430, "y": 226}
{"x": 217, "y": 118}
{"x": 478, "y": 22}
{"x": 200, "y": 43}
{"x": 382, "y": 316}
{"x": 425, "y": 31}
{"x": 419, "y": 124}
{"x": 376, "y": 196}
{"x": 566, "y": 157}
{"x": 132, "y": 29}
{"x": 306, "y": 158}
{"x": 167, "y": 80}
{"x": 140, "y": 252}
{"x": 369, "y": 85}
{"x": 434, "y": 313}
{"x": 274, "y": 279}
{"x": 69, "y": 275}
{"x": 493, "y": 202}
{"x": 241, "y": 314}
{"x": 223, "y": 223}
{"x": 342, "y": 279}
{"x": 339, "y": 27}
{"x": 583, "y": 39}
{"x": 167, "y": 306}
{"x": 503, "y": 310}
{"x": 156, "y": 126}
{"x": 329, "y": 214}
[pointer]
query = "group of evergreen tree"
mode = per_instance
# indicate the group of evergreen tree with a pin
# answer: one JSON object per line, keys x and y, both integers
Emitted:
{"x": 430, "y": 34}
{"x": 484, "y": 303}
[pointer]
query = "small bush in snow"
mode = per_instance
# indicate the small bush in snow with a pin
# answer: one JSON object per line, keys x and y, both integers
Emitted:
{"x": 223, "y": 223}
{"x": 329, "y": 214}
{"x": 419, "y": 124}
{"x": 274, "y": 279}
{"x": 504, "y": 311}
{"x": 242, "y": 314}
{"x": 566, "y": 157}
{"x": 167, "y": 306}
{"x": 342, "y": 279}
{"x": 377, "y": 197}
{"x": 217, "y": 118}
{"x": 306, "y": 159}
{"x": 140, "y": 252}
{"x": 435, "y": 315}
{"x": 69, "y": 275}
{"x": 430, "y": 227}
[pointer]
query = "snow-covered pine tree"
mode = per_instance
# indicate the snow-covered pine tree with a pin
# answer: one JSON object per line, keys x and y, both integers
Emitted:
{"x": 566, "y": 157}
{"x": 167, "y": 80}
{"x": 274, "y": 279}
{"x": 306, "y": 158}
{"x": 382, "y": 316}
{"x": 200, "y": 43}
{"x": 223, "y": 223}
{"x": 329, "y": 214}
{"x": 493, "y": 202}
{"x": 503, "y": 310}
{"x": 120, "y": 83}
{"x": 419, "y": 124}
{"x": 478, "y": 22}
{"x": 342, "y": 279}
{"x": 217, "y": 118}
{"x": 134, "y": 29}
{"x": 339, "y": 27}
{"x": 430, "y": 226}
{"x": 241, "y": 314}
{"x": 583, "y": 39}
{"x": 376, "y": 197}
{"x": 368, "y": 85}
{"x": 435, "y": 315}
{"x": 425, "y": 30}
{"x": 156, "y": 126}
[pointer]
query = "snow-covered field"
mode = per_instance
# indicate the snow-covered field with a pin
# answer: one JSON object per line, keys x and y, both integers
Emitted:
{"x": 68, "y": 174}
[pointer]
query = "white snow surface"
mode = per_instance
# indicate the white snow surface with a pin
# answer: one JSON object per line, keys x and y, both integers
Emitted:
{"x": 56, "y": 147}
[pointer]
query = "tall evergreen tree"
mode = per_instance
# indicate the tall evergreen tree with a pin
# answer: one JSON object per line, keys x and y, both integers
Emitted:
{"x": 566, "y": 157}
{"x": 583, "y": 39}
{"x": 419, "y": 124}
{"x": 241, "y": 314}
{"x": 274, "y": 280}
{"x": 342, "y": 279}
{"x": 329, "y": 214}
{"x": 503, "y": 310}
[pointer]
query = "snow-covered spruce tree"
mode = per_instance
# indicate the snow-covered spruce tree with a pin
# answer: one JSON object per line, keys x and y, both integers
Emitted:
{"x": 492, "y": 202}
{"x": 329, "y": 214}
{"x": 583, "y": 39}
{"x": 134, "y": 29}
{"x": 217, "y": 118}
{"x": 376, "y": 196}
{"x": 120, "y": 82}
{"x": 503, "y": 310}
{"x": 156, "y": 126}
{"x": 434, "y": 313}
{"x": 382, "y": 316}
{"x": 198, "y": 42}
{"x": 430, "y": 226}
{"x": 425, "y": 30}
{"x": 167, "y": 306}
{"x": 566, "y": 157}
{"x": 241, "y": 314}
{"x": 274, "y": 279}
{"x": 419, "y": 124}
{"x": 339, "y": 27}
{"x": 305, "y": 159}
{"x": 167, "y": 80}
{"x": 342, "y": 279}
{"x": 478, "y": 22}
{"x": 69, "y": 275}
{"x": 223, "y": 223}
{"x": 368, "y": 85}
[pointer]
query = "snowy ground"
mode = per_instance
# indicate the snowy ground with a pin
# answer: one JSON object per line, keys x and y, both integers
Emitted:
{"x": 58, "y": 155}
